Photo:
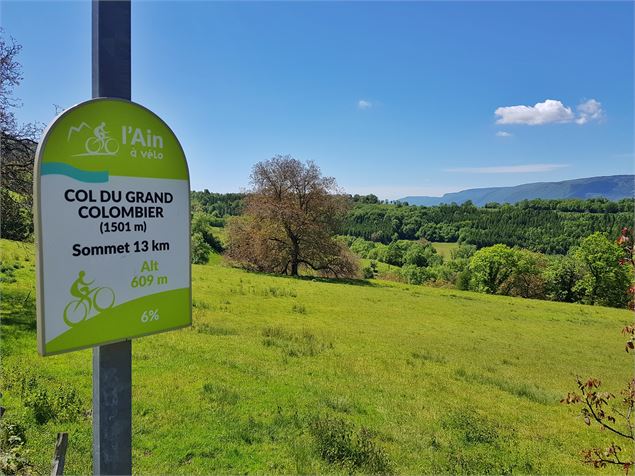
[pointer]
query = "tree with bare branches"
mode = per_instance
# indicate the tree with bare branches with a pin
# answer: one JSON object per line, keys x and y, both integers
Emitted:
{"x": 291, "y": 216}
{"x": 17, "y": 147}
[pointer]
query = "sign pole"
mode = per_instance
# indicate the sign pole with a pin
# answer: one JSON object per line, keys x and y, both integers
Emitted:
{"x": 112, "y": 363}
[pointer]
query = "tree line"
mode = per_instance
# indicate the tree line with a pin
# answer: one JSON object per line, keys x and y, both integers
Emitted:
{"x": 546, "y": 226}
{"x": 595, "y": 271}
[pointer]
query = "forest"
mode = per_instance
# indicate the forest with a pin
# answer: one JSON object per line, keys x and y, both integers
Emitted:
{"x": 560, "y": 250}
{"x": 545, "y": 226}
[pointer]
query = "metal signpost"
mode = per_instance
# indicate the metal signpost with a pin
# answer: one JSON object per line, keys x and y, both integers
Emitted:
{"x": 112, "y": 363}
{"x": 112, "y": 220}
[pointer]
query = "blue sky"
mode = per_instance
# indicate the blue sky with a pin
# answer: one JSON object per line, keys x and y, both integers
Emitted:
{"x": 417, "y": 98}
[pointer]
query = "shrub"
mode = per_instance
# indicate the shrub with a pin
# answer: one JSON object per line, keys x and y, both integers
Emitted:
{"x": 415, "y": 275}
{"x": 13, "y": 458}
{"x": 463, "y": 280}
{"x": 367, "y": 272}
{"x": 362, "y": 247}
{"x": 67, "y": 405}
{"x": 201, "y": 224}
{"x": 40, "y": 405}
{"x": 338, "y": 443}
{"x": 421, "y": 254}
{"x": 200, "y": 249}
{"x": 12, "y": 434}
{"x": 45, "y": 402}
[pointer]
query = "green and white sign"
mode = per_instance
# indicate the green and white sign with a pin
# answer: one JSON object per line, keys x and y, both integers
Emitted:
{"x": 112, "y": 214}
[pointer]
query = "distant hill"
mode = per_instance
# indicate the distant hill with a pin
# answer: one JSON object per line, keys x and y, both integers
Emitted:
{"x": 614, "y": 187}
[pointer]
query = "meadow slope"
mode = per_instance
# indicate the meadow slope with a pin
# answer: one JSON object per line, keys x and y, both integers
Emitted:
{"x": 282, "y": 375}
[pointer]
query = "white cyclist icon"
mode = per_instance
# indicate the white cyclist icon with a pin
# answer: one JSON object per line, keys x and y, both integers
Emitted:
{"x": 100, "y": 143}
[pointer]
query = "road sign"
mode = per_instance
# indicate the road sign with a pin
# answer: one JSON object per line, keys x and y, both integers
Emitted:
{"x": 112, "y": 227}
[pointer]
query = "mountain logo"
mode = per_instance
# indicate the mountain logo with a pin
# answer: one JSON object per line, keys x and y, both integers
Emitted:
{"x": 97, "y": 144}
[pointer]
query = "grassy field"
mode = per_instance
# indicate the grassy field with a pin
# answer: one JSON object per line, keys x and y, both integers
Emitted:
{"x": 281, "y": 375}
{"x": 220, "y": 233}
{"x": 444, "y": 249}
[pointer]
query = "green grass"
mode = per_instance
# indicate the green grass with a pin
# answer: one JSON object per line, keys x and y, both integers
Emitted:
{"x": 220, "y": 232}
{"x": 445, "y": 249}
{"x": 312, "y": 376}
{"x": 384, "y": 270}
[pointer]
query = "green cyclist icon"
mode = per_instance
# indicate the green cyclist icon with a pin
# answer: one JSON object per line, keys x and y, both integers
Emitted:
{"x": 99, "y": 298}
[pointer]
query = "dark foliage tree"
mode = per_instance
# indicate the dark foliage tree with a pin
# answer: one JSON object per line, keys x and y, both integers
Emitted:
{"x": 218, "y": 205}
{"x": 561, "y": 275}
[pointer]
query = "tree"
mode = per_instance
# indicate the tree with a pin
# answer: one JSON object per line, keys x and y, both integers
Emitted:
{"x": 606, "y": 281}
{"x": 395, "y": 252}
{"x": 200, "y": 249}
{"x": 17, "y": 148}
{"x": 202, "y": 224}
{"x": 527, "y": 277}
{"x": 561, "y": 276}
{"x": 491, "y": 267}
{"x": 421, "y": 254}
{"x": 10, "y": 77}
{"x": 291, "y": 216}
{"x": 614, "y": 415}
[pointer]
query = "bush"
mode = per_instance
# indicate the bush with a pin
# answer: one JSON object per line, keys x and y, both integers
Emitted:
{"x": 40, "y": 405}
{"x": 415, "y": 275}
{"x": 67, "y": 405}
{"x": 44, "y": 401}
{"x": 17, "y": 219}
{"x": 362, "y": 247}
{"x": 12, "y": 434}
{"x": 338, "y": 443}
{"x": 200, "y": 249}
{"x": 367, "y": 272}
{"x": 422, "y": 255}
{"x": 378, "y": 252}
{"x": 13, "y": 458}
{"x": 463, "y": 280}
{"x": 201, "y": 224}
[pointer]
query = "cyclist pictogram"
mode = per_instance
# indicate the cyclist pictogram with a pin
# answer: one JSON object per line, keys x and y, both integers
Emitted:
{"x": 98, "y": 298}
{"x": 100, "y": 143}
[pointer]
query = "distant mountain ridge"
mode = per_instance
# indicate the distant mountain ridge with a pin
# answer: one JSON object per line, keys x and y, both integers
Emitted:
{"x": 613, "y": 187}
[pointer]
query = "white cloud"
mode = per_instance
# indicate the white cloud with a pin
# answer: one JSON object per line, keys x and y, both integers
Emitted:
{"x": 364, "y": 104}
{"x": 508, "y": 169}
{"x": 590, "y": 110}
{"x": 550, "y": 111}
{"x": 504, "y": 134}
{"x": 541, "y": 113}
